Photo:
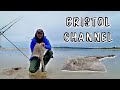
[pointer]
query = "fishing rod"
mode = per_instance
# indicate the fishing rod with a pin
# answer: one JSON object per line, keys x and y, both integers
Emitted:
{"x": 9, "y": 26}
{"x": 10, "y": 41}
{"x": 6, "y": 26}
{"x": 15, "y": 46}
{"x": 9, "y": 23}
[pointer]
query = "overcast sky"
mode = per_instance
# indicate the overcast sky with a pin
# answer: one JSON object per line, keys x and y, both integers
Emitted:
{"x": 53, "y": 23}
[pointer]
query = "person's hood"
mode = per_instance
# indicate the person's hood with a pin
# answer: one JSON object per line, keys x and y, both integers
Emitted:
{"x": 39, "y": 40}
{"x": 39, "y": 30}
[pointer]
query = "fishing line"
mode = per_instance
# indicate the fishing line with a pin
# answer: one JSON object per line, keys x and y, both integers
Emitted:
{"x": 9, "y": 23}
{"x": 15, "y": 46}
{"x": 9, "y": 26}
{"x": 8, "y": 39}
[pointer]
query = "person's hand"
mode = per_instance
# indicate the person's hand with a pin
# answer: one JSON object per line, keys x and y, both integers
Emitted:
{"x": 43, "y": 44}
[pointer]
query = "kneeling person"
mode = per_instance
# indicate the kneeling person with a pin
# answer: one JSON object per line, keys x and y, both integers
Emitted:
{"x": 43, "y": 41}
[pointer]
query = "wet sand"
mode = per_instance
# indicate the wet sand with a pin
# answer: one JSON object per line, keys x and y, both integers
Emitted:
{"x": 23, "y": 73}
{"x": 13, "y": 65}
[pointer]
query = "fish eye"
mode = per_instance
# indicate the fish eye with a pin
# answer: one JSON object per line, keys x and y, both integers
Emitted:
{"x": 75, "y": 62}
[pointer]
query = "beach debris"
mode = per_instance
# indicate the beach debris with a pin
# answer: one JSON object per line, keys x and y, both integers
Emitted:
{"x": 12, "y": 71}
{"x": 89, "y": 63}
{"x": 17, "y": 68}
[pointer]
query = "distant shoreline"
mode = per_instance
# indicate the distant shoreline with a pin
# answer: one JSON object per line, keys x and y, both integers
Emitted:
{"x": 88, "y": 48}
{"x": 13, "y": 49}
{"x": 111, "y": 48}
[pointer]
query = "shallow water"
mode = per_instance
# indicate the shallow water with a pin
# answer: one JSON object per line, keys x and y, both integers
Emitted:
{"x": 13, "y": 58}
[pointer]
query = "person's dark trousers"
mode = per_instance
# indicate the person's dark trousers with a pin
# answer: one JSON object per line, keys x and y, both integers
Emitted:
{"x": 47, "y": 56}
{"x": 35, "y": 62}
